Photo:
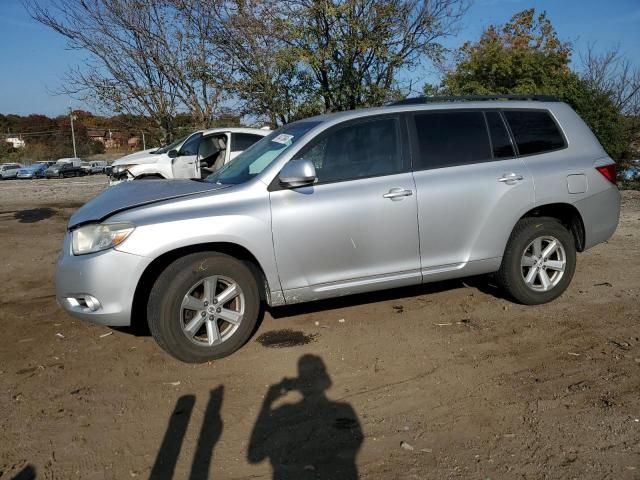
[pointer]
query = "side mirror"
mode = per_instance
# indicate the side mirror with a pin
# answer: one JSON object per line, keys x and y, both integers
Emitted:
{"x": 297, "y": 173}
{"x": 172, "y": 153}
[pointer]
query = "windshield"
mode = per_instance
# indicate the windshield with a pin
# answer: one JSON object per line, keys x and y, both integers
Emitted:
{"x": 171, "y": 146}
{"x": 260, "y": 155}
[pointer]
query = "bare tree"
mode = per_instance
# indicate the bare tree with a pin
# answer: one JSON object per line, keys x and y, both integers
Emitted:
{"x": 355, "y": 48}
{"x": 610, "y": 72}
{"x": 151, "y": 58}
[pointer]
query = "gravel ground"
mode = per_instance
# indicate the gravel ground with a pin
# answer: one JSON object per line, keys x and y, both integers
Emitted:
{"x": 448, "y": 380}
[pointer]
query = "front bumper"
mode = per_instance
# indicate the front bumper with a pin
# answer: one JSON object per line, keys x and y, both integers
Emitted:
{"x": 108, "y": 279}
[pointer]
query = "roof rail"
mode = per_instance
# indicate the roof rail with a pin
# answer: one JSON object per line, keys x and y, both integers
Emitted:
{"x": 474, "y": 98}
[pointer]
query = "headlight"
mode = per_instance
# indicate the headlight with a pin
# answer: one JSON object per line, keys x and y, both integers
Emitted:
{"x": 120, "y": 168}
{"x": 99, "y": 236}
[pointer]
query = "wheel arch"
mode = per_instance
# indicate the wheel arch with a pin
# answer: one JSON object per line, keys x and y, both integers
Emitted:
{"x": 567, "y": 214}
{"x": 155, "y": 268}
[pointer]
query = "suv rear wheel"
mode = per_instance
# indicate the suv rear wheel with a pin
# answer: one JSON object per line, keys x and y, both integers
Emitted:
{"x": 539, "y": 261}
{"x": 203, "y": 306}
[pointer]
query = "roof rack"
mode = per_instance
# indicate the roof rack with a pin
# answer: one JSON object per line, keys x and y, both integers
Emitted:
{"x": 474, "y": 98}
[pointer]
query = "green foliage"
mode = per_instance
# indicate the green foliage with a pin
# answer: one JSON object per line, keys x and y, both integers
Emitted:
{"x": 525, "y": 56}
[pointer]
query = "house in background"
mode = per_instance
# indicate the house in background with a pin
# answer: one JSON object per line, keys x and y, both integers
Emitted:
{"x": 134, "y": 144}
{"x": 97, "y": 135}
{"x": 15, "y": 142}
{"x": 114, "y": 139}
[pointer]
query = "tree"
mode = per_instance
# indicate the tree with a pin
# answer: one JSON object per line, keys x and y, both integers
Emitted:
{"x": 152, "y": 58}
{"x": 525, "y": 56}
{"x": 354, "y": 49}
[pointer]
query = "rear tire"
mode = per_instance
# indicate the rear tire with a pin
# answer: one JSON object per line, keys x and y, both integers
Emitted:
{"x": 539, "y": 261}
{"x": 191, "y": 300}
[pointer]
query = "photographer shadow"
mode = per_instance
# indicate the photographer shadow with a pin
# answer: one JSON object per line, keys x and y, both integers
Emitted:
{"x": 315, "y": 438}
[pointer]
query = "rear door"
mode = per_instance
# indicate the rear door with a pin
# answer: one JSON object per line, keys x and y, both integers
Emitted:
{"x": 355, "y": 229}
{"x": 471, "y": 187}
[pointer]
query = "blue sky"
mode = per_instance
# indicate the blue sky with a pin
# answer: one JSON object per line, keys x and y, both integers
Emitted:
{"x": 35, "y": 59}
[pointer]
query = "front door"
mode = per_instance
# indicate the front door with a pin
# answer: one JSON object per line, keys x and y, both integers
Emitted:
{"x": 354, "y": 230}
{"x": 186, "y": 164}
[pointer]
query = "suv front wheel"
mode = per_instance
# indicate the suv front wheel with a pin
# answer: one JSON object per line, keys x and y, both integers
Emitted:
{"x": 203, "y": 306}
{"x": 539, "y": 261}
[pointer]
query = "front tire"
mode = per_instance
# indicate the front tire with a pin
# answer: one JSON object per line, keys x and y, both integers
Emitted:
{"x": 203, "y": 306}
{"x": 539, "y": 261}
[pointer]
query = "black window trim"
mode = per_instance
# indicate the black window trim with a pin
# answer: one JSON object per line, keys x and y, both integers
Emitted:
{"x": 403, "y": 150}
{"x": 513, "y": 137}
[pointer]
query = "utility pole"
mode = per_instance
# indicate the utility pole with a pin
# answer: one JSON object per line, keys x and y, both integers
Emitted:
{"x": 73, "y": 134}
{"x": 144, "y": 143}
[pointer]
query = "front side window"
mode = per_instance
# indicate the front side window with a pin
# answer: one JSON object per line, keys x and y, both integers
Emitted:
{"x": 363, "y": 149}
{"x": 446, "y": 139}
{"x": 534, "y": 131}
{"x": 260, "y": 155}
{"x": 191, "y": 146}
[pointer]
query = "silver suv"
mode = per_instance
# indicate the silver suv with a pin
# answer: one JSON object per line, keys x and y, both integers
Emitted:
{"x": 414, "y": 192}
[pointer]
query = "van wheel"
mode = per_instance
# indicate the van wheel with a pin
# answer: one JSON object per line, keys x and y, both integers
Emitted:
{"x": 539, "y": 261}
{"x": 203, "y": 306}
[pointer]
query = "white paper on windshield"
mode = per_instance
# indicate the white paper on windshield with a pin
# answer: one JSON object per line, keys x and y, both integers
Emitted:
{"x": 283, "y": 138}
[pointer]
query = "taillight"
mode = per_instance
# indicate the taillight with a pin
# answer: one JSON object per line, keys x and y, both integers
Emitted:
{"x": 608, "y": 172}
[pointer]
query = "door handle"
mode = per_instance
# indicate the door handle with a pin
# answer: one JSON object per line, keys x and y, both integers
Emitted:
{"x": 510, "y": 178}
{"x": 397, "y": 193}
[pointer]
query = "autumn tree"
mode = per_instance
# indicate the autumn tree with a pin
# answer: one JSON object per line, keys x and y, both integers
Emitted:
{"x": 526, "y": 56}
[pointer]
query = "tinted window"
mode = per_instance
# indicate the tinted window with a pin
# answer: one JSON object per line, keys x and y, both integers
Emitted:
{"x": 451, "y": 138}
{"x": 358, "y": 150}
{"x": 190, "y": 147}
{"x": 241, "y": 141}
{"x": 534, "y": 131}
{"x": 500, "y": 141}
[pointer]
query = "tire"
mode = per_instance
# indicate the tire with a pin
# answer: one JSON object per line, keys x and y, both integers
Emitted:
{"x": 167, "y": 317}
{"x": 520, "y": 257}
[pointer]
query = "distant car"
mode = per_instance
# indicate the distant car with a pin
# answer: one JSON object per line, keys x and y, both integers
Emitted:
{"x": 630, "y": 174}
{"x": 62, "y": 170}
{"x": 86, "y": 168}
{"x": 195, "y": 156}
{"x": 9, "y": 170}
{"x": 32, "y": 171}
{"x": 98, "y": 166}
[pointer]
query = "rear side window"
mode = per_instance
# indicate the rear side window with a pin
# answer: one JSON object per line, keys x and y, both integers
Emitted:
{"x": 534, "y": 131}
{"x": 500, "y": 141}
{"x": 446, "y": 139}
{"x": 241, "y": 141}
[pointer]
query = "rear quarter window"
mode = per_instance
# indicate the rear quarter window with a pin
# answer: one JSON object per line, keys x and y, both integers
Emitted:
{"x": 534, "y": 131}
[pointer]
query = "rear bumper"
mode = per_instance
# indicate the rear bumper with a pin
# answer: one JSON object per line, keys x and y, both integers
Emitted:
{"x": 600, "y": 214}
{"x": 108, "y": 279}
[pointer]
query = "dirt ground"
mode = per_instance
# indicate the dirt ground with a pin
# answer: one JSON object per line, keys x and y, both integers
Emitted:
{"x": 444, "y": 381}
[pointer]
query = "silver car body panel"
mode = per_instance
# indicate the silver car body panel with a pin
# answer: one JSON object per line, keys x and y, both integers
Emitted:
{"x": 341, "y": 238}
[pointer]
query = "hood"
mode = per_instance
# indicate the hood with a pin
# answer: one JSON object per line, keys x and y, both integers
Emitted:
{"x": 135, "y": 194}
{"x": 145, "y": 156}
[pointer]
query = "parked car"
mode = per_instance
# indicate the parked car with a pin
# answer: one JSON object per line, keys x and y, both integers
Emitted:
{"x": 98, "y": 166}
{"x": 62, "y": 170}
{"x": 35, "y": 170}
{"x": 9, "y": 170}
{"x": 195, "y": 156}
{"x": 415, "y": 192}
{"x": 86, "y": 168}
